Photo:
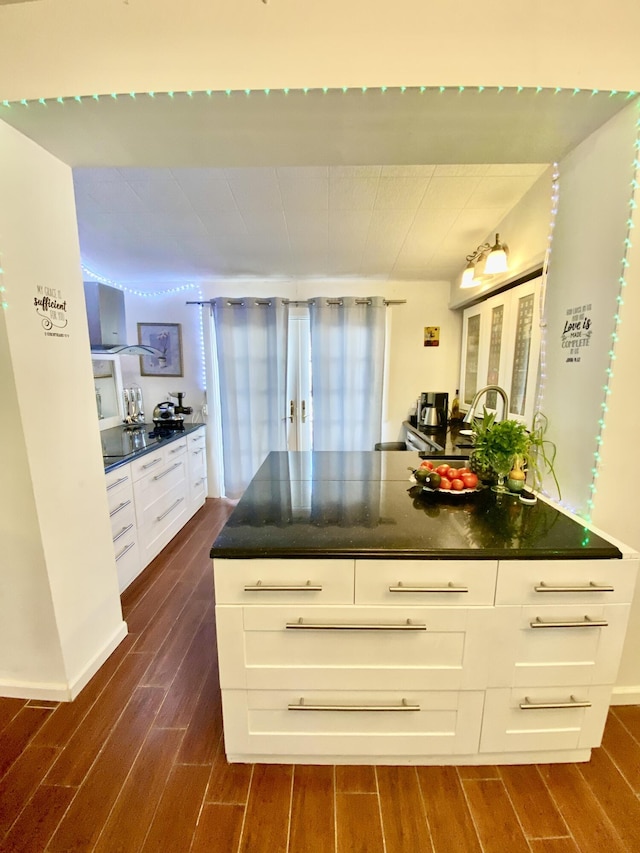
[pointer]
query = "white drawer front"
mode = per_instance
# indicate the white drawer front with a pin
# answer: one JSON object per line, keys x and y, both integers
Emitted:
{"x": 446, "y": 582}
{"x": 197, "y": 493}
{"x": 563, "y": 647}
{"x": 118, "y": 480}
{"x": 127, "y": 559}
{"x": 352, "y": 647}
{"x": 123, "y": 518}
{"x": 147, "y": 464}
{"x": 149, "y": 489}
{"x": 566, "y": 581}
{"x": 162, "y": 520}
{"x": 196, "y": 439}
{"x": 385, "y": 723}
{"x": 197, "y": 461}
{"x": 283, "y": 581}
{"x": 508, "y": 727}
{"x": 175, "y": 449}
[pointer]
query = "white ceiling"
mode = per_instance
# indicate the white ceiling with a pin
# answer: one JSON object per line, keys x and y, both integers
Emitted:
{"x": 390, "y": 185}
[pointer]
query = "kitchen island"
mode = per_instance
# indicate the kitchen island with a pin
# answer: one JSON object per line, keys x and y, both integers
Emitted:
{"x": 361, "y": 620}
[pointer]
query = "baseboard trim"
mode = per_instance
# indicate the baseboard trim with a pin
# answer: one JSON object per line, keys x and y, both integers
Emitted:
{"x": 59, "y": 691}
{"x": 626, "y": 695}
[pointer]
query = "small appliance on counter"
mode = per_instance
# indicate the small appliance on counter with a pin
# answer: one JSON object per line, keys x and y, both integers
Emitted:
{"x": 168, "y": 416}
{"x": 433, "y": 411}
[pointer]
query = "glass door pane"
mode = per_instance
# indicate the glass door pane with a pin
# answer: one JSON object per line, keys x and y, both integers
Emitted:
{"x": 495, "y": 350}
{"x": 521, "y": 355}
{"x": 472, "y": 355}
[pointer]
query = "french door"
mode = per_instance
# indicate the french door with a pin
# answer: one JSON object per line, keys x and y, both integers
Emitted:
{"x": 299, "y": 408}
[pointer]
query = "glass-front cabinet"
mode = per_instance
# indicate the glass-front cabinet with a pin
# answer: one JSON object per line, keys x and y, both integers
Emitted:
{"x": 501, "y": 346}
{"x": 107, "y": 380}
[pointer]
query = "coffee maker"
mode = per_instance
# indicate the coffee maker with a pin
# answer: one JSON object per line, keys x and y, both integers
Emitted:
{"x": 433, "y": 410}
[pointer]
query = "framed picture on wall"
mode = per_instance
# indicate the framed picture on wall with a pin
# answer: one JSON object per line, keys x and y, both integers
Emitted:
{"x": 167, "y": 339}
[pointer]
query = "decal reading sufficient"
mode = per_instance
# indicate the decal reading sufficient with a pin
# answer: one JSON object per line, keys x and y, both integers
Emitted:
{"x": 576, "y": 332}
{"x": 51, "y": 307}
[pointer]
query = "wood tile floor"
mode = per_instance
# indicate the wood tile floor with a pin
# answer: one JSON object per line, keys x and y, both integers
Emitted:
{"x": 136, "y": 762}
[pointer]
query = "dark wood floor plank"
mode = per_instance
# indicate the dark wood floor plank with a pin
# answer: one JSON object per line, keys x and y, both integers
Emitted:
{"x": 312, "y": 828}
{"x": 202, "y": 736}
{"x": 8, "y": 709}
{"x": 553, "y": 845}
{"x": 494, "y": 817}
{"x": 358, "y": 823}
{"x": 16, "y": 736}
{"x": 228, "y": 783}
{"x": 447, "y": 811}
{"x": 266, "y": 824}
{"x": 587, "y": 821}
{"x": 21, "y": 781}
{"x": 38, "y": 820}
{"x": 87, "y": 814}
{"x": 129, "y": 821}
{"x": 218, "y": 829}
{"x": 534, "y": 806}
{"x": 142, "y": 611}
{"x": 176, "y": 818}
{"x": 624, "y": 749}
{"x": 403, "y": 818}
{"x": 78, "y": 755}
{"x": 614, "y": 795}
{"x": 488, "y": 771}
{"x": 64, "y": 720}
{"x": 356, "y": 779}
{"x": 629, "y": 716}
{"x": 170, "y": 654}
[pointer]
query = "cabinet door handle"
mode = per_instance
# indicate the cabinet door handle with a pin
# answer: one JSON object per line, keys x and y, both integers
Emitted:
{"x": 580, "y": 623}
{"x": 124, "y": 550}
{"x": 168, "y": 471}
{"x": 304, "y": 706}
{"x": 167, "y": 511}
{"x": 117, "y": 483}
{"x": 528, "y": 705}
{"x": 118, "y": 508}
{"x": 122, "y": 532}
{"x": 276, "y": 587}
{"x": 300, "y": 625}
{"x": 590, "y": 587}
{"x": 448, "y": 588}
{"x": 198, "y": 452}
{"x": 178, "y": 449}
{"x": 151, "y": 464}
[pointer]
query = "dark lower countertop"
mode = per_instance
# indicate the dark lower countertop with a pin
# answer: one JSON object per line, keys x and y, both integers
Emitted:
{"x": 362, "y": 504}
{"x": 121, "y": 445}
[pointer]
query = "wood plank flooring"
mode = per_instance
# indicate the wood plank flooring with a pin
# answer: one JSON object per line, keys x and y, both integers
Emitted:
{"x": 136, "y": 763}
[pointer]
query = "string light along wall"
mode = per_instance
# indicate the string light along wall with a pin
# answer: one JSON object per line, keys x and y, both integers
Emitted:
{"x": 622, "y": 284}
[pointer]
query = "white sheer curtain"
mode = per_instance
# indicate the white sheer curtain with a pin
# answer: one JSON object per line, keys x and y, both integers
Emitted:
{"x": 347, "y": 364}
{"x": 251, "y": 348}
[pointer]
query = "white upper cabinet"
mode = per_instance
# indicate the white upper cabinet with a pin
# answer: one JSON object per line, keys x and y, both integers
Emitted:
{"x": 501, "y": 346}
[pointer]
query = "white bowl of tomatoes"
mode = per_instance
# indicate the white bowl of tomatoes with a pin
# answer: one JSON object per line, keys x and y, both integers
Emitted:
{"x": 445, "y": 478}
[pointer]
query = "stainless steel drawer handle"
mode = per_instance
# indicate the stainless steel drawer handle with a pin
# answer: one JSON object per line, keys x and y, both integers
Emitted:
{"x": 198, "y": 483}
{"x": 178, "y": 449}
{"x": 168, "y": 471}
{"x": 151, "y": 464}
{"x": 118, "y": 508}
{"x": 304, "y": 706}
{"x": 122, "y": 532}
{"x": 590, "y": 587}
{"x": 450, "y": 587}
{"x": 125, "y": 550}
{"x": 300, "y": 625}
{"x": 528, "y": 705}
{"x": 276, "y": 587}
{"x": 580, "y": 623}
{"x": 171, "y": 508}
{"x": 117, "y": 483}
{"x": 198, "y": 452}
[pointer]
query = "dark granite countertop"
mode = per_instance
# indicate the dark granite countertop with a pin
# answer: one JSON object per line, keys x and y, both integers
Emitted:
{"x": 121, "y": 445}
{"x": 361, "y": 504}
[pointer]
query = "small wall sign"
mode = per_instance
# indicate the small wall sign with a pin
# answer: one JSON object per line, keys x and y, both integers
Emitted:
{"x": 576, "y": 332}
{"x": 51, "y": 307}
{"x": 432, "y": 336}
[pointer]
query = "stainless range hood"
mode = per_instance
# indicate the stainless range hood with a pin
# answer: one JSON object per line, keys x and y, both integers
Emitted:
{"x": 107, "y": 324}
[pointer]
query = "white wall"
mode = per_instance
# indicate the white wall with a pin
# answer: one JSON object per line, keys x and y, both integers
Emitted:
{"x": 60, "y": 610}
{"x": 159, "y": 45}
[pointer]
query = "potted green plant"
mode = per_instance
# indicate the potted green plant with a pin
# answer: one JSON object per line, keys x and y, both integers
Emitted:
{"x": 507, "y": 448}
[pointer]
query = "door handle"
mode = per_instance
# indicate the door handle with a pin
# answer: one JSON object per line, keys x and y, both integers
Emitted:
{"x": 292, "y": 410}
{"x": 304, "y": 411}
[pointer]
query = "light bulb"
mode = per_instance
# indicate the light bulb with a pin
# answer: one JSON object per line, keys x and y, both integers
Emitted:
{"x": 468, "y": 276}
{"x": 497, "y": 259}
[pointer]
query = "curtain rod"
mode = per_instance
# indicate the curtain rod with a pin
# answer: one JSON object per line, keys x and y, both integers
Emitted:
{"x": 301, "y": 302}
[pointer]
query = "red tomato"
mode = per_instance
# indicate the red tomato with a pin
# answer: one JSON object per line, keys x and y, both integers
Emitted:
{"x": 442, "y": 469}
{"x": 426, "y": 463}
{"x": 444, "y": 483}
{"x": 453, "y": 473}
{"x": 470, "y": 480}
{"x": 457, "y": 484}
{"x": 462, "y": 471}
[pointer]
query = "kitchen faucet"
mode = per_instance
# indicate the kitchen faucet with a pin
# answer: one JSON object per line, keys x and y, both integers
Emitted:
{"x": 471, "y": 412}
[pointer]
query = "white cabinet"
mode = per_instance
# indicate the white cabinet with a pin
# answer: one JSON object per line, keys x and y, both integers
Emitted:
{"x": 418, "y": 661}
{"x": 197, "y": 469}
{"x": 501, "y": 346}
{"x": 124, "y": 531}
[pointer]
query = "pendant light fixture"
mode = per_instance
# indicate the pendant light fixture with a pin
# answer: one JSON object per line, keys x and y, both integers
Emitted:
{"x": 494, "y": 258}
